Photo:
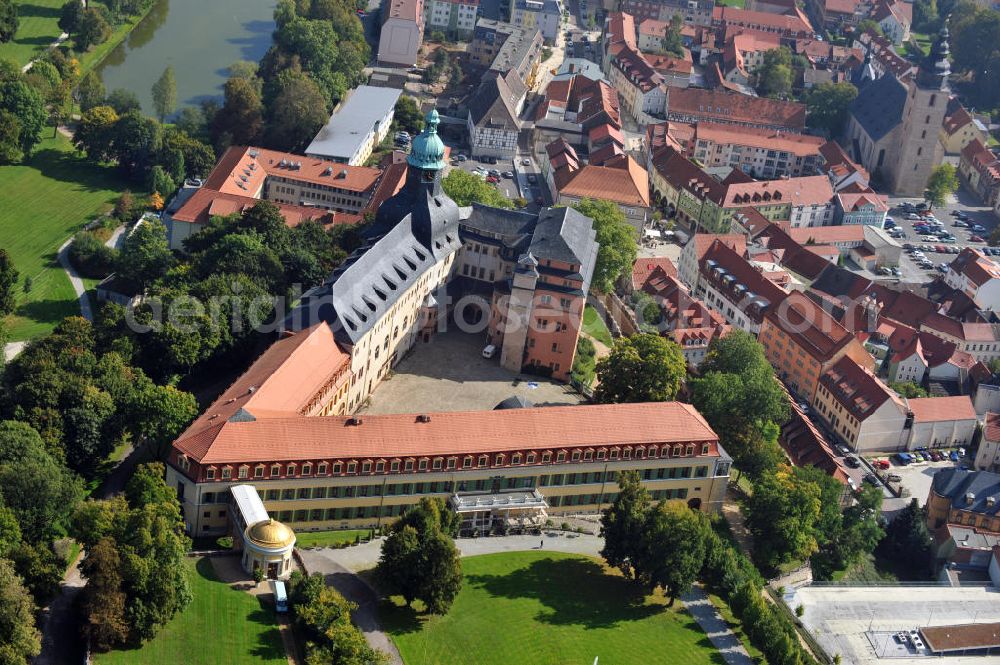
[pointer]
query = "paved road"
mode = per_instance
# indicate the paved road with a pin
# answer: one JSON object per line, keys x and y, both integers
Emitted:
{"x": 61, "y": 642}
{"x": 340, "y": 568}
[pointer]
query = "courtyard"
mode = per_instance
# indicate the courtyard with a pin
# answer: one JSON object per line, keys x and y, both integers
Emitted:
{"x": 854, "y": 621}
{"x": 546, "y": 608}
{"x": 450, "y": 374}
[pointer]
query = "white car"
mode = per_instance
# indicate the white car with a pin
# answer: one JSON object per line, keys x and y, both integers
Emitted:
{"x": 489, "y": 351}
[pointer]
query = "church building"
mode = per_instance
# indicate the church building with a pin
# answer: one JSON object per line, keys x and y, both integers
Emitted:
{"x": 894, "y": 124}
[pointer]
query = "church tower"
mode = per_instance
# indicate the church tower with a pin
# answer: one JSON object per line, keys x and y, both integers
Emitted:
{"x": 918, "y": 150}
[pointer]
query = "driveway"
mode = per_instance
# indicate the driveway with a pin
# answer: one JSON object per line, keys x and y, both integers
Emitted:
{"x": 450, "y": 374}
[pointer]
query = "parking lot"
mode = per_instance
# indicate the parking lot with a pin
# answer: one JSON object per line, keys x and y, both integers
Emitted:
{"x": 450, "y": 374}
{"x": 975, "y": 213}
{"x": 519, "y": 185}
{"x": 858, "y": 622}
{"x": 915, "y": 480}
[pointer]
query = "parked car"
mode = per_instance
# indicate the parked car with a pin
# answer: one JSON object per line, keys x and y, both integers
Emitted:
{"x": 979, "y": 228}
{"x": 902, "y": 459}
{"x": 881, "y": 464}
{"x": 871, "y": 479}
{"x": 976, "y": 238}
{"x": 852, "y": 461}
{"x": 489, "y": 351}
{"x": 960, "y": 224}
{"x": 953, "y": 456}
{"x": 508, "y": 174}
{"x": 894, "y": 477}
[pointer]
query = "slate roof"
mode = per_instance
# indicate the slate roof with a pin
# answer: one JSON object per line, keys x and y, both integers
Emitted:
{"x": 879, "y": 106}
{"x": 955, "y": 484}
{"x": 494, "y": 103}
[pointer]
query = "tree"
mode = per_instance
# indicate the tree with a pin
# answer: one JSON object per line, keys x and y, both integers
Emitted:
{"x": 908, "y": 389}
{"x": 145, "y": 256}
{"x": 90, "y": 92}
{"x": 622, "y": 524}
{"x": 297, "y": 113}
{"x": 165, "y": 94}
{"x": 27, "y": 105}
{"x": 159, "y": 181}
{"x": 324, "y": 617}
{"x": 925, "y": 15}
{"x": 641, "y": 368}
{"x": 123, "y": 101}
{"x": 407, "y": 115}
{"x": 104, "y": 601}
{"x": 942, "y": 183}
{"x": 617, "y": 239}
{"x": 782, "y": 514}
{"x": 10, "y": 138}
{"x": 40, "y": 568}
{"x": 93, "y": 29}
{"x": 95, "y": 133}
{"x": 419, "y": 559}
{"x": 907, "y": 540}
{"x": 241, "y": 118}
{"x": 8, "y": 283}
{"x": 673, "y": 44}
{"x": 465, "y": 189}
{"x": 10, "y": 532}
{"x": 672, "y": 548}
{"x": 774, "y": 76}
{"x": 136, "y": 143}
{"x": 41, "y": 493}
{"x": 70, "y": 16}
{"x": 20, "y": 641}
{"x": 827, "y": 105}
{"x": 869, "y": 25}
{"x": 8, "y": 20}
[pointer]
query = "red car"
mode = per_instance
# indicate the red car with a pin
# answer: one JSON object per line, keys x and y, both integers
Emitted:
{"x": 975, "y": 238}
{"x": 881, "y": 464}
{"x": 493, "y": 179}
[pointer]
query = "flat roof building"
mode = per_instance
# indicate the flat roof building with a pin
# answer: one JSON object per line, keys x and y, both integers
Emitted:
{"x": 360, "y": 124}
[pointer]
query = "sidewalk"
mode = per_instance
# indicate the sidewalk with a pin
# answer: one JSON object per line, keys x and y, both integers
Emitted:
{"x": 732, "y": 651}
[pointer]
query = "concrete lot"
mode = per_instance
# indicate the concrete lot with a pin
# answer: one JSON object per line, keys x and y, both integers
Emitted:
{"x": 841, "y": 617}
{"x": 450, "y": 374}
{"x": 917, "y": 478}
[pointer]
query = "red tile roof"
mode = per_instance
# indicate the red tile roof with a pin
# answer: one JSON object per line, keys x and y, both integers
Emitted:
{"x": 242, "y": 170}
{"x": 954, "y": 122}
{"x": 456, "y": 433}
{"x": 645, "y": 268}
{"x": 207, "y": 203}
{"x": 937, "y": 409}
{"x": 620, "y": 179}
{"x": 800, "y": 145}
{"x": 859, "y": 391}
{"x": 977, "y": 268}
{"x": 809, "y": 326}
{"x": 744, "y": 274}
{"x": 795, "y": 24}
{"x": 723, "y": 106}
{"x": 992, "y": 429}
{"x": 805, "y": 190}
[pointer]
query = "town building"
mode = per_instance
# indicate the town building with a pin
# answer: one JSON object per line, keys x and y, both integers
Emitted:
{"x": 302, "y": 187}
{"x": 619, "y": 179}
{"x": 860, "y": 205}
{"x": 642, "y": 88}
{"x": 323, "y": 472}
{"x": 894, "y": 125}
{"x": 964, "y": 548}
{"x": 744, "y": 53}
{"x": 501, "y": 47}
{"x": 941, "y": 422}
{"x": 455, "y": 18}
{"x": 492, "y": 121}
{"x": 836, "y": 15}
{"x": 732, "y": 286}
{"x": 979, "y": 171}
{"x": 841, "y": 169}
{"x": 357, "y": 127}
{"x": 694, "y": 12}
{"x": 692, "y": 105}
{"x": 793, "y": 25}
{"x": 689, "y": 263}
{"x": 977, "y": 276}
{"x": 988, "y": 453}
{"x": 803, "y": 342}
{"x": 760, "y": 153}
{"x": 970, "y": 498}
{"x": 867, "y": 414}
{"x": 684, "y": 319}
{"x": 894, "y": 18}
{"x": 806, "y": 445}
{"x": 542, "y": 15}
{"x": 880, "y": 57}
{"x": 572, "y": 108}
{"x": 960, "y": 129}
{"x": 402, "y": 32}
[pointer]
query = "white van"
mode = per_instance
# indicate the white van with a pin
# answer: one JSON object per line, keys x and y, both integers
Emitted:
{"x": 489, "y": 351}
{"x": 280, "y": 597}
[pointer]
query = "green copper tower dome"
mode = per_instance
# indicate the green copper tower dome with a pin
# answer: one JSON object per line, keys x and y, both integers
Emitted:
{"x": 427, "y": 152}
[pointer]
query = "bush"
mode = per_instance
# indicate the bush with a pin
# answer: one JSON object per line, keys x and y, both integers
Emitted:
{"x": 225, "y": 542}
{"x": 91, "y": 257}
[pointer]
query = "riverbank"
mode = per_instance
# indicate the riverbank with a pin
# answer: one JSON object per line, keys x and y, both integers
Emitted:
{"x": 91, "y": 59}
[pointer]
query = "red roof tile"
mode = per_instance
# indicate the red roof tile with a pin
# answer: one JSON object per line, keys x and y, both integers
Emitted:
{"x": 937, "y": 409}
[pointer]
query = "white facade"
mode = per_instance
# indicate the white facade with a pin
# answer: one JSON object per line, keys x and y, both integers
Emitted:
{"x": 453, "y": 18}
{"x": 988, "y": 455}
{"x": 986, "y": 295}
{"x": 911, "y": 368}
{"x": 941, "y": 433}
{"x": 815, "y": 214}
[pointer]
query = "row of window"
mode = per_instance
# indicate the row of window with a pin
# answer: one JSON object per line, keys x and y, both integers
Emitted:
{"x": 292, "y": 469}
{"x": 447, "y": 486}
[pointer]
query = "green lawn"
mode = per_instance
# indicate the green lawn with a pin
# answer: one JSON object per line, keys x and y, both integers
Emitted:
{"x": 328, "y": 538}
{"x": 594, "y": 326}
{"x": 221, "y": 626}
{"x": 545, "y": 608}
{"x": 42, "y": 204}
{"x": 38, "y": 27}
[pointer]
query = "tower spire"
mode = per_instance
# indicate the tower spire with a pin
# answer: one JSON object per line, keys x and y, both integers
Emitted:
{"x": 936, "y": 68}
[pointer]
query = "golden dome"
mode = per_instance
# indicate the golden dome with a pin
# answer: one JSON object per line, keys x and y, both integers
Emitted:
{"x": 271, "y": 534}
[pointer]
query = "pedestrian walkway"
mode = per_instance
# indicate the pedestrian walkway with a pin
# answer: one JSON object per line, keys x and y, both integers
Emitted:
{"x": 74, "y": 278}
{"x": 701, "y": 608}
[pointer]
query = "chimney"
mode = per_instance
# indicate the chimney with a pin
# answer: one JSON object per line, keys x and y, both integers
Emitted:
{"x": 423, "y": 418}
{"x": 354, "y": 420}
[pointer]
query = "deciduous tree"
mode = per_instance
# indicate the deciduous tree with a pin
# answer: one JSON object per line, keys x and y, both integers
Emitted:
{"x": 145, "y": 256}
{"x": 782, "y": 514}
{"x": 466, "y": 188}
{"x": 8, "y": 20}
{"x": 92, "y": 29}
{"x": 8, "y": 283}
{"x": 827, "y": 105}
{"x": 20, "y": 641}
{"x": 407, "y": 115}
{"x": 622, "y": 524}
{"x": 641, "y": 368}
{"x": 241, "y": 118}
{"x": 907, "y": 540}
{"x": 617, "y": 240}
{"x": 70, "y": 16}
{"x": 104, "y": 601}
{"x": 672, "y": 548}
{"x": 27, "y": 105}
{"x": 942, "y": 183}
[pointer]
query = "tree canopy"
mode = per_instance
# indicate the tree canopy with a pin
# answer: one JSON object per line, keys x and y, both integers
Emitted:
{"x": 827, "y": 105}
{"x": 622, "y": 524}
{"x": 774, "y": 75}
{"x": 165, "y": 94}
{"x": 782, "y": 514}
{"x": 467, "y": 188}
{"x": 641, "y": 368}
{"x": 942, "y": 183}
{"x": 617, "y": 239}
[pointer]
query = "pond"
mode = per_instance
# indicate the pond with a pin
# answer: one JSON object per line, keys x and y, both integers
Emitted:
{"x": 199, "y": 38}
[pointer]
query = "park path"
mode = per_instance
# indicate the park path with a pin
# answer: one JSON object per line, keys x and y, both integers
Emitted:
{"x": 60, "y": 627}
{"x": 74, "y": 278}
{"x": 701, "y": 608}
{"x": 341, "y": 568}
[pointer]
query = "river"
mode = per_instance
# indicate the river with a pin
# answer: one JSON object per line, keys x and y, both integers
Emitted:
{"x": 199, "y": 38}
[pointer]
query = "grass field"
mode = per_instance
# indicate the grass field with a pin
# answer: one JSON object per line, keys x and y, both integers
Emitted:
{"x": 547, "y": 608}
{"x": 38, "y": 27}
{"x": 594, "y": 326}
{"x": 221, "y": 626}
{"x": 328, "y": 538}
{"x": 42, "y": 204}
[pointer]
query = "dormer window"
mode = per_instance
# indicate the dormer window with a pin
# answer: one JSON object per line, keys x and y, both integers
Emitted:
{"x": 307, "y": 469}
{"x": 275, "y": 470}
